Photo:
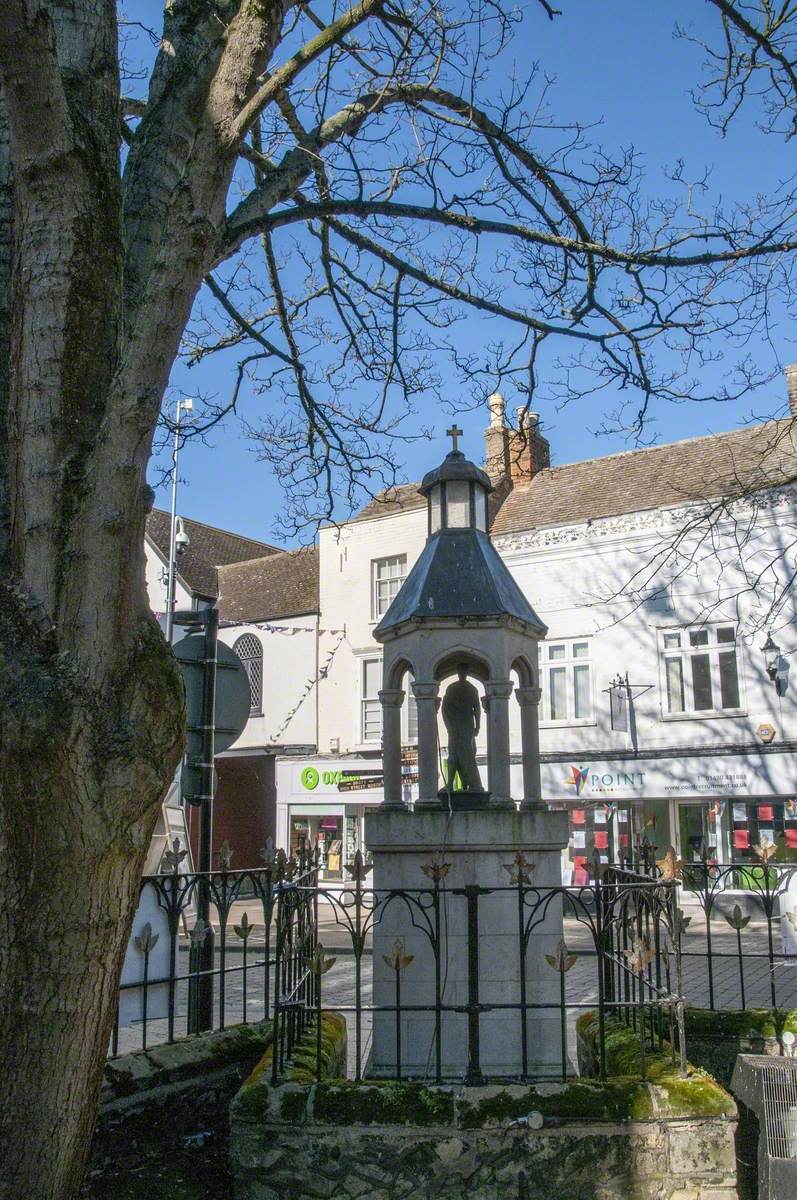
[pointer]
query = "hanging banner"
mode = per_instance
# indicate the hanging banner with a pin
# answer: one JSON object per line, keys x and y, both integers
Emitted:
{"x": 618, "y": 701}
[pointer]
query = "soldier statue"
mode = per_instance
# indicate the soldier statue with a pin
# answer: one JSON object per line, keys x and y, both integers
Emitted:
{"x": 461, "y": 715}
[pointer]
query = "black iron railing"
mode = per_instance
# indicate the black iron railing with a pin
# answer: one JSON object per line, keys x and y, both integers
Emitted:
{"x": 172, "y": 986}
{"x": 754, "y": 965}
{"x": 627, "y": 928}
{"x": 280, "y": 945}
{"x": 739, "y": 944}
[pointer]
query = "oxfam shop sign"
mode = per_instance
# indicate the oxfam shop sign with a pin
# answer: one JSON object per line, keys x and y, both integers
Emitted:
{"x": 311, "y": 777}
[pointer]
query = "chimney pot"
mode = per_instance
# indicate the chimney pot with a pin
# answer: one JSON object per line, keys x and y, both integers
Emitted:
{"x": 496, "y": 405}
{"x": 791, "y": 387}
{"x": 529, "y": 451}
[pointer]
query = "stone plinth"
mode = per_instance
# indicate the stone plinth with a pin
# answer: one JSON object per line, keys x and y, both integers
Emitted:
{"x": 480, "y": 849}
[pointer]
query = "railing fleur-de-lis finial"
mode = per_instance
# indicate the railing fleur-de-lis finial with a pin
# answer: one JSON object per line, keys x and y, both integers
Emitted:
{"x": 358, "y": 869}
{"x": 736, "y": 919}
{"x": 436, "y": 869}
{"x": 146, "y": 940}
{"x": 244, "y": 929}
{"x": 639, "y": 955}
{"x": 563, "y": 959}
{"x": 268, "y": 854}
{"x": 318, "y": 961}
{"x": 225, "y": 855}
{"x": 519, "y": 870}
{"x": 671, "y": 866}
{"x": 280, "y": 864}
{"x": 199, "y": 932}
{"x": 765, "y": 849}
{"x": 172, "y": 858}
{"x": 397, "y": 960}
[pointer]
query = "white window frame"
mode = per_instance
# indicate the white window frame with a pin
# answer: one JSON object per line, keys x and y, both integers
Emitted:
{"x": 685, "y": 652}
{"x": 252, "y": 665}
{"x": 569, "y": 661}
{"x": 363, "y": 700}
{"x": 401, "y": 560}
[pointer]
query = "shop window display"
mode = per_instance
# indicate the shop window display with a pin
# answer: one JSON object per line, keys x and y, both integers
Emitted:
{"x": 325, "y": 833}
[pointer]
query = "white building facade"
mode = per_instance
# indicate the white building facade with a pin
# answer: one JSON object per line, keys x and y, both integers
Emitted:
{"x": 693, "y": 747}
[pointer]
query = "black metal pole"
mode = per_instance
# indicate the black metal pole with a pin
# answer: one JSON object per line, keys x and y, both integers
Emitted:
{"x": 200, "y": 1015}
{"x": 473, "y": 1075}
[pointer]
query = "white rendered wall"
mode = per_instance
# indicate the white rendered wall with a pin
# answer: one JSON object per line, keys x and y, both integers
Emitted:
{"x": 289, "y": 667}
{"x": 345, "y": 561}
{"x": 569, "y": 574}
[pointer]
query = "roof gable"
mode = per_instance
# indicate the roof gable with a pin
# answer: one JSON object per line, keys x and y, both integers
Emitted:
{"x": 209, "y": 548}
{"x": 284, "y": 584}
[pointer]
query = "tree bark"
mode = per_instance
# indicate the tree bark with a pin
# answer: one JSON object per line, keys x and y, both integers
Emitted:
{"x": 95, "y": 291}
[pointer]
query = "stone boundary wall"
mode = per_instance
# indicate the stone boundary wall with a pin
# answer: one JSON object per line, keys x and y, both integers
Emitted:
{"x": 391, "y": 1141}
{"x": 140, "y": 1078}
{"x": 162, "y": 1107}
{"x": 715, "y": 1037}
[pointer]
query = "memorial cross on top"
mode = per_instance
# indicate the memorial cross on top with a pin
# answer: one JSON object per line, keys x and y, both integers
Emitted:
{"x": 455, "y": 433}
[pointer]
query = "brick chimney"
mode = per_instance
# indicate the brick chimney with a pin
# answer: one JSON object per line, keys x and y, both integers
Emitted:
{"x": 529, "y": 451}
{"x": 496, "y": 441}
{"x": 791, "y": 388}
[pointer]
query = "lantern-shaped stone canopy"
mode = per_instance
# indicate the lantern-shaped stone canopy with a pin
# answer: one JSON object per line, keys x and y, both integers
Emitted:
{"x": 460, "y": 611}
{"x": 456, "y": 492}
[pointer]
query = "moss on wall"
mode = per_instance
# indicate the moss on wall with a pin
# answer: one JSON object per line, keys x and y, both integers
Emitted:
{"x": 672, "y": 1094}
{"x": 715, "y": 1038}
{"x": 253, "y": 1099}
{"x": 387, "y": 1102}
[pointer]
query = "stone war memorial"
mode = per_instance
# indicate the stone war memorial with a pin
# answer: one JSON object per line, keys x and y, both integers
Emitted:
{"x": 468, "y": 1067}
{"x": 460, "y": 617}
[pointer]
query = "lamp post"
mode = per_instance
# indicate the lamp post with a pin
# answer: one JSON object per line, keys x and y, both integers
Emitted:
{"x": 182, "y": 406}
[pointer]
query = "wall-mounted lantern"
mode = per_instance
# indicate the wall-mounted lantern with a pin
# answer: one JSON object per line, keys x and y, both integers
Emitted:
{"x": 772, "y": 661}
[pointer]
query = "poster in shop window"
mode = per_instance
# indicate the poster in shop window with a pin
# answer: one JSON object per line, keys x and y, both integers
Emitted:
{"x": 788, "y": 921}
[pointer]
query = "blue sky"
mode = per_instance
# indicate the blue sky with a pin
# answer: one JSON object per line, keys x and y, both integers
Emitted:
{"x": 614, "y": 61}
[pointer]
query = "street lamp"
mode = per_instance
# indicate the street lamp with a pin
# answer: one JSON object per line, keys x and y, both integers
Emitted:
{"x": 182, "y": 406}
{"x": 771, "y": 652}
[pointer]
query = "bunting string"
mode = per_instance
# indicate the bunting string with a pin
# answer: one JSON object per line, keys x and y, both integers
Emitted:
{"x": 267, "y": 627}
{"x": 312, "y": 681}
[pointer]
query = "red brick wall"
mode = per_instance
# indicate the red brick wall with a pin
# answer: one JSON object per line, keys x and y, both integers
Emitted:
{"x": 244, "y": 811}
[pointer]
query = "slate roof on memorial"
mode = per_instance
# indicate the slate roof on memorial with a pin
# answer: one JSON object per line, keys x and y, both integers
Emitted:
{"x": 209, "y": 549}
{"x": 284, "y": 584}
{"x": 742, "y": 461}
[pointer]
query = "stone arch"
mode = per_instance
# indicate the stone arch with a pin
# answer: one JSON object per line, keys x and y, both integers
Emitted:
{"x": 401, "y": 667}
{"x": 448, "y": 662}
{"x": 524, "y": 670}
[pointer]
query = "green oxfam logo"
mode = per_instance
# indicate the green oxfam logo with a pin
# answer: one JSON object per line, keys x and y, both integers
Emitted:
{"x": 310, "y": 778}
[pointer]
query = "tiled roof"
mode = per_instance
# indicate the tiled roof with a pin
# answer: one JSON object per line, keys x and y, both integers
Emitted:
{"x": 459, "y": 574}
{"x": 724, "y": 464}
{"x": 393, "y": 500}
{"x": 744, "y": 460}
{"x": 280, "y": 585}
{"x": 209, "y": 548}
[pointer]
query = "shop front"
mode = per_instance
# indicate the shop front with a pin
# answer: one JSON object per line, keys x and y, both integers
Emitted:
{"x": 718, "y": 808}
{"x": 322, "y": 803}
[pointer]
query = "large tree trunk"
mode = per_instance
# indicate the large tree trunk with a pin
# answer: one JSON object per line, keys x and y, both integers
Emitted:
{"x": 95, "y": 291}
{"x": 90, "y": 697}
